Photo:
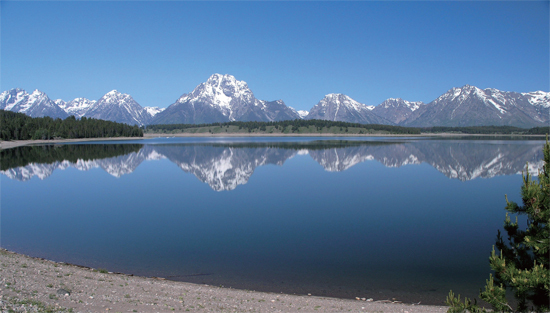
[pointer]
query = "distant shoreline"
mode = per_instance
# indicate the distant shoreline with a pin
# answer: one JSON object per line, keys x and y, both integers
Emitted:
{"x": 18, "y": 143}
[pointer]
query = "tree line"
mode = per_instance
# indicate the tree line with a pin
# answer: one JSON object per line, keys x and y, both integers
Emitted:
{"x": 18, "y": 126}
{"x": 291, "y": 126}
{"x": 487, "y": 130}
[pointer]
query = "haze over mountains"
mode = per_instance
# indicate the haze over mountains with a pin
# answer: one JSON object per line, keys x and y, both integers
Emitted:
{"x": 222, "y": 98}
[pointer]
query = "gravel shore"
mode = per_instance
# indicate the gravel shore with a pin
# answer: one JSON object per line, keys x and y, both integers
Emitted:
{"x": 36, "y": 285}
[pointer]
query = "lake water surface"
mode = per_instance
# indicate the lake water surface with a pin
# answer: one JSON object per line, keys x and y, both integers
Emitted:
{"x": 382, "y": 218}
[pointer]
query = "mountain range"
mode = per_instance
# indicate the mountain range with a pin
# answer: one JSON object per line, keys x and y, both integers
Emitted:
{"x": 113, "y": 106}
{"x": 226, "y": 166}
{"x": 222, "y": 98}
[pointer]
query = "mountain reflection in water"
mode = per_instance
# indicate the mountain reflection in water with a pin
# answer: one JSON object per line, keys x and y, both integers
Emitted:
{"x": 224, "y": 166}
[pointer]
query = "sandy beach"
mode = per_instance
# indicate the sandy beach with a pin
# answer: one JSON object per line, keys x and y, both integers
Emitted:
{"x": 36, "y": 285}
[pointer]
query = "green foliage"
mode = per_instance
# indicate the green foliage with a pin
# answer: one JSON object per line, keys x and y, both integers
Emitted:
{"x": 539, "y": 131}
{"x": 503, "y": 130}
{"x": 522, "y": 265}
{"x": 18, "y": 126}
{"x": 457, "y": 306}
{"x": 290, "y": 126}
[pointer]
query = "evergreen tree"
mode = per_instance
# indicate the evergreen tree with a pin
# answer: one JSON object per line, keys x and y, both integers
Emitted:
{"x": 523, "y": 264}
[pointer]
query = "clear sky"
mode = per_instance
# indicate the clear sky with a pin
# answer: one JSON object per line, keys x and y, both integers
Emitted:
{"x": 294, "y": 51}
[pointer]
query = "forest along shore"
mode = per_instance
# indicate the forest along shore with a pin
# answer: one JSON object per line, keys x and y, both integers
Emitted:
{"x": 28, "y": 284}
{"x": 18, "y": 143}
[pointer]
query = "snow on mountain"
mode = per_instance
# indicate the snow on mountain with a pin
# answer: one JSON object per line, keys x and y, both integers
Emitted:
{"x": 472, "y": 106}
{"x": 339, "y": 107}
{"x": 60, "y": 103}
{"x": 78, "y": 107}
{"x": 223, "y": 98}
{"x": 302, "y": 113}
{"x": 154, "y": 110}
{"x": 538, "y": 98}
{"x": 223, "y": 92}
{"x": 119, "y": 107}
{"x": 396, "y": 110}
{"x": 36, "y": 104}
{"x": 13, "y": 98}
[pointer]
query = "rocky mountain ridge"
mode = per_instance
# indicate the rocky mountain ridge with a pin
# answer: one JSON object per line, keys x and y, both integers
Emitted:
{"x": 223, "y": 98}
{"x": 339, "y": 107}
{"x": 472, "y": 106}
{"x": 113, "y": 106}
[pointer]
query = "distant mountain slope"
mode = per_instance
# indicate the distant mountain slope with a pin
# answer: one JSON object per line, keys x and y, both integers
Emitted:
{"x": 222, "y": 98}
{"x": 339, "y": 107}
{"x": 396, "y": 110}
{"x": 471, "y": 106}
{"x": 153, "y": 110}
{"x": 77, "y": 107}
{"x": 36, "y": 104}
{"x": 119, "y": 107}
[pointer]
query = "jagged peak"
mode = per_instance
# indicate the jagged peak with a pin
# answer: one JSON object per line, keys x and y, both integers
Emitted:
{"x": 340, "y": 97}
{"x": 82, "y": 99}
{"x": 15, "y": 90}
{"x": 494, "y": 90}
{"x": 12, "y": 92}
{"x": 37, "y": 92}
{"x": 115, "y": 95}
{"x": 396, "y": 102}
{"x": 113, "y": 92}
{"x": 214, "y": 78}
{"x": 336, "y": 95}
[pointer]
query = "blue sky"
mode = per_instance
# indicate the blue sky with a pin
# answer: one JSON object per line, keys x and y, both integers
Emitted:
{"x": 294, "y": 51}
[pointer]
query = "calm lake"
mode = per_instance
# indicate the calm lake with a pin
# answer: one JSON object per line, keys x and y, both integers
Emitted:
{"x": 382, "y": 218}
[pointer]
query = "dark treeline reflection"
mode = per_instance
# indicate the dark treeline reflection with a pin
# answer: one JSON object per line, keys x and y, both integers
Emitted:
{"x": 48, "y": 154}
{"x": 224, "y": 166}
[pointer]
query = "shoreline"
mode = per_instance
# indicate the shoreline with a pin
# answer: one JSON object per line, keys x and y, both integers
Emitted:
{"x": 26, "y": 280}
{"x": 19, "y": 143}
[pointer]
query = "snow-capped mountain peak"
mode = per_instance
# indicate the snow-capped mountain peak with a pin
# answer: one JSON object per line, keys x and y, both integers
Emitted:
{"x": 78, "y": 107}
{"x": 10, "y": 98}
{"x": 115, "y": 97}
{"x": 340, "y": 107}
{"x": 120, "y": 107}
{"x": 302, "y": 113}
{"x": 342, "y": 100}
{"x": 538, "y": 98}
{"x": 221, "y": 92}
{"x": 60, "y": 102}
{"x": 398, "y": 102}
{"x": 223, "y": 98}
{"x": 472, "y": 106}
{"x": 36, "y": 104}
{"x": 153, "y": 110}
